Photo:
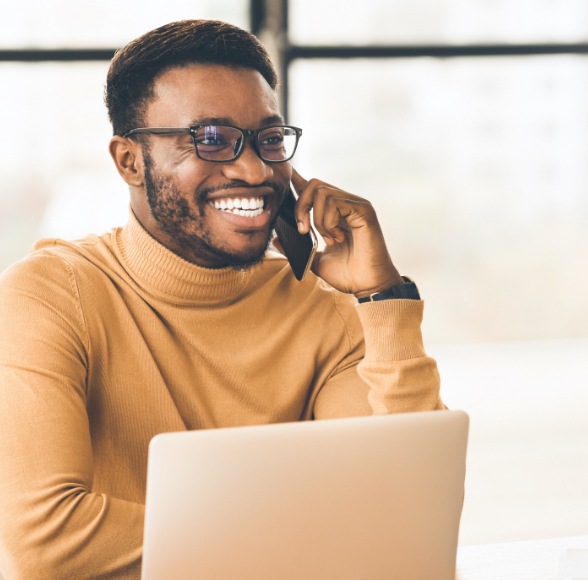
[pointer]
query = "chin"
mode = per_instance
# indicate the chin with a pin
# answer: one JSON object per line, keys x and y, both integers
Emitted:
{"x": 238, "y": 258}
{"x": 248, "y": 259}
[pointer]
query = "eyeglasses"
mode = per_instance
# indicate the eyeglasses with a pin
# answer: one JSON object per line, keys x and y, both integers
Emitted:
{"x": 222, "y": 143}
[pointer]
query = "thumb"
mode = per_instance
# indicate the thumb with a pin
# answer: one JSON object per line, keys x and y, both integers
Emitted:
{"x": 298, "y": 181}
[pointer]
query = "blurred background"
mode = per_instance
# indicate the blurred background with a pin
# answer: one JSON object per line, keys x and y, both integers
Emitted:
{"x": 464, "y": 122}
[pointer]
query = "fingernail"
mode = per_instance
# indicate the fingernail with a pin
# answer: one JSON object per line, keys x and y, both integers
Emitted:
{"x": 300, "y": 227}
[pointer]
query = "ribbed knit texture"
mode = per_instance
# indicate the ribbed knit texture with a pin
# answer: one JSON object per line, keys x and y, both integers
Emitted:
{"x": 110, "y": 340}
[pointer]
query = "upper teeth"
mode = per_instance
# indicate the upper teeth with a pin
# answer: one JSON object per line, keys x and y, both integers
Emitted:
{"x": 236, "y": 204}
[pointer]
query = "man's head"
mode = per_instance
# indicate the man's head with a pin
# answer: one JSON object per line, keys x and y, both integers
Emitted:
{"x": 136, "y": 67}
{"x": 185, "y": 75}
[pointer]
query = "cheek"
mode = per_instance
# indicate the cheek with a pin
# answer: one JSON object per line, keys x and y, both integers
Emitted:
{"x": 285, "y": 169}
{"x": 174, "y": 160}
{"x": 282, "y": 174}
{"x": 187, "y": 176}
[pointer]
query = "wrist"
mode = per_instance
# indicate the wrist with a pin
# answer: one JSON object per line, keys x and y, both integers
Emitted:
{"x": 407, "y": 290}
{"x": 394, "y": 280}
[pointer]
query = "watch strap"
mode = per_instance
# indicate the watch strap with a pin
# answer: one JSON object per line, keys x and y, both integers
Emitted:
{"x": 406, "y": 291}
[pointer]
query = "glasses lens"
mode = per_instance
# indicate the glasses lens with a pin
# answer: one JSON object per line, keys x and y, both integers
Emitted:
{"x": 277, "y": 143}
{"x": 217, "y": 142}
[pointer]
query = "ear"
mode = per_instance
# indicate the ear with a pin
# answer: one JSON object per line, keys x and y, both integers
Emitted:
{"x": 128, "y": 158}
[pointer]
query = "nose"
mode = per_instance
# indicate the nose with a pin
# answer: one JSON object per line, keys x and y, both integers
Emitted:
{"x": 248, "y": 167}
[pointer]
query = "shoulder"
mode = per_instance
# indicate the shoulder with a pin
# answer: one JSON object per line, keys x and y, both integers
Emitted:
{"x": 52, "y": 264}
{"x": 40, "y": 297}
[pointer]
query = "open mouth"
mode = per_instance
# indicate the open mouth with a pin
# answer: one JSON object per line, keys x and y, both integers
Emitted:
{"x": 243, "y": 206}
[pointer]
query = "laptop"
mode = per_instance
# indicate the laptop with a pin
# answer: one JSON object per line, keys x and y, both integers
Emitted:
{"x": 346, "y": 499}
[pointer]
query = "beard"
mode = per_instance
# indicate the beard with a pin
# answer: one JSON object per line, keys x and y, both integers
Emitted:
{"x": 186, "y": 224}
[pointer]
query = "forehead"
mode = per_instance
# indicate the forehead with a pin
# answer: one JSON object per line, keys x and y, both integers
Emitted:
{"x": 182, "y": 95}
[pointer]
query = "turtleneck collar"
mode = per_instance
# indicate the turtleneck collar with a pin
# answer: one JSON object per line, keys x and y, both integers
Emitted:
{"x": 165, "y": 275}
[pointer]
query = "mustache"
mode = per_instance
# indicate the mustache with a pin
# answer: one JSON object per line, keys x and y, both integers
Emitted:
{"x": 204, "y": 192}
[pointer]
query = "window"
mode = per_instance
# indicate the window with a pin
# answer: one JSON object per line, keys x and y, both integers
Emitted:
{"x": 475, "y": 164}
{"x": 57, "y": 176}
{"x": 477, "y": 168}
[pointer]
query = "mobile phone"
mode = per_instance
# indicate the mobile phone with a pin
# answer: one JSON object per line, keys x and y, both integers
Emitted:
{"x": 299, "y": 248}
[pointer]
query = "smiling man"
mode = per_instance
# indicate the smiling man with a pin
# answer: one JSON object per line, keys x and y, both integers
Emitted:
{"x": 182, "y": 319}
{"x": 189, "y": 192}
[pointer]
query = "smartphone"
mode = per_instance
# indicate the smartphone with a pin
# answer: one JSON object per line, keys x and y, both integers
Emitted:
{"x": 299, "y": 248}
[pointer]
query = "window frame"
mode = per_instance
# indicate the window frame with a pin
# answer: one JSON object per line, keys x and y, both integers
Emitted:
{"x": 269, "y": 20}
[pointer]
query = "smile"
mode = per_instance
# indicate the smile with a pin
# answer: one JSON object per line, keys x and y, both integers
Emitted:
{"x": 244, "y": 206}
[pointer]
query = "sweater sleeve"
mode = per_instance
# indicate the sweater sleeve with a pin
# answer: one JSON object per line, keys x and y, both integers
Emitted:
{"x": 392, "y": 375}
{"x": 52, "y": 524}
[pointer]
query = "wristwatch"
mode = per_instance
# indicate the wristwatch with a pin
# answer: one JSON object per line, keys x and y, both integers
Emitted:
{"x": 406, "y": 291}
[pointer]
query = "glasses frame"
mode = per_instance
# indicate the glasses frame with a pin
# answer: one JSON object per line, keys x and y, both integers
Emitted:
{"x": 244, "y": 134}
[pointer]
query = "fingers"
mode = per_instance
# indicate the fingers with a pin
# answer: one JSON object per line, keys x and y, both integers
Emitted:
{"x": 298, "y": 181}
{"x": 328, "y": 218}
{"x": 302, "y": 210}
{"x": 335, "y": 212}
{"x": 315, "y": 195}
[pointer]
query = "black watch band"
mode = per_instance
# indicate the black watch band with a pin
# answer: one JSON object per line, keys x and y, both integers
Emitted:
{"x": 406, "y": 291}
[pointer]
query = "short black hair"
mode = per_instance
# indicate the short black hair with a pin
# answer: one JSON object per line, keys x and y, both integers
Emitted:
{"x": 135, "y": 67}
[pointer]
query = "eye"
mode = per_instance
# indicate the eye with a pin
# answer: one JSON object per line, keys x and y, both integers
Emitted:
{"x": 272, "y": 139}
{"x": 211, "y": 141}
{"x": 214, "y": 138}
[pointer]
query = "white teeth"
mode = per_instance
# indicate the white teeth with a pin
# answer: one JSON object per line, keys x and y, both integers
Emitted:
{"x": 245, "y": 206}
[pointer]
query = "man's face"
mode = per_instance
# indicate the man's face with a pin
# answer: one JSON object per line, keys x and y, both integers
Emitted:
{"x": 183, "y": 195}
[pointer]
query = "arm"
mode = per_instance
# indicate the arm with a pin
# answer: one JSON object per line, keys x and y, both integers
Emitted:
{"x": 389, "y": 373}
{"x": 400, "y": 375}
{"x": 52, "y": 523}
{"x": 396, "y": 373}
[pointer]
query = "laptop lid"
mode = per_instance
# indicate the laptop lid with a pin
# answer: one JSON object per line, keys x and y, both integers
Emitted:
{"x": 371, "y": 498}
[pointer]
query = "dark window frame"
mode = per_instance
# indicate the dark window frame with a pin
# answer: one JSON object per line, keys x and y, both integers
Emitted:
{"x": 267, "y": 17}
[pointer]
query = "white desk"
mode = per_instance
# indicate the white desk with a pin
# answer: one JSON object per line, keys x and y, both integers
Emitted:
{"x": 527, "y": 467}
{"x": 557, "y": 559}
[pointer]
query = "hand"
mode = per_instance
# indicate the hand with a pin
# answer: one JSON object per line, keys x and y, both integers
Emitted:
{"x": 355, "y": 259}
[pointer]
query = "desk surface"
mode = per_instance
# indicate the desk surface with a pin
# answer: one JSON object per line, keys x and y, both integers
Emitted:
{"x": 527, "y": 467}
{"x": 557, "y": 559}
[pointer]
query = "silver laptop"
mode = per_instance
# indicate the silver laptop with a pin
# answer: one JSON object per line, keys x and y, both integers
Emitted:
{"x": 363, "y": 498}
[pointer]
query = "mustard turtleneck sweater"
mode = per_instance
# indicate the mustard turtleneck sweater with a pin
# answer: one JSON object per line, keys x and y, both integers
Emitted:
{"x": 107, "y": 341}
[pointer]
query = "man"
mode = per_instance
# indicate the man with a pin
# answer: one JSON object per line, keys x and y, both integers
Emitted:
{"x": 181, "y": 319}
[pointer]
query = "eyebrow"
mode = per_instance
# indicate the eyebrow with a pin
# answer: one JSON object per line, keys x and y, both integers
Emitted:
{"x": 266, "y": 121}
